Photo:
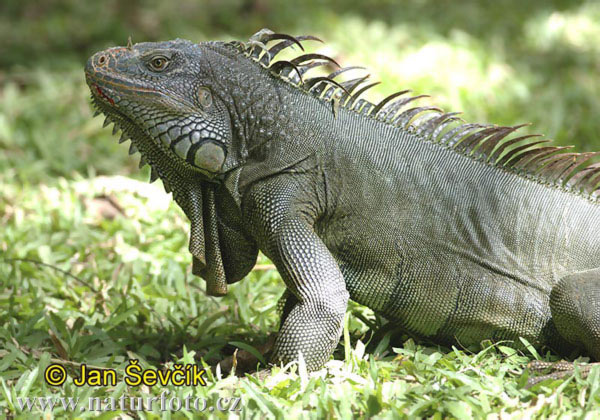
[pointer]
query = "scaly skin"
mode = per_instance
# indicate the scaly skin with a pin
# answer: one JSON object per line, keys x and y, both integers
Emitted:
{"x": 439, "y": 236}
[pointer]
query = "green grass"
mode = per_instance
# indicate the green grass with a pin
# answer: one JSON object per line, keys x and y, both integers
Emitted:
{"x": 94, "y": 265}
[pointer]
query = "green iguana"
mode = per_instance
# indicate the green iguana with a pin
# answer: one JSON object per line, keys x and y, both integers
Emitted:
{"x": 456, "y": 232}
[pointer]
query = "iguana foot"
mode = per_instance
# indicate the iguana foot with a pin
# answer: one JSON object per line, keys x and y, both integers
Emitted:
{"x": 555, "y": 370}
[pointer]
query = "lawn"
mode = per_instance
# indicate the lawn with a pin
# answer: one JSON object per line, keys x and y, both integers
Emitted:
{"x": 94, "y": 267}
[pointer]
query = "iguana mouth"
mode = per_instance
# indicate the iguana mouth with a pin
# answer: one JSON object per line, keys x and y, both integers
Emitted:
{"x": 103, "y": 95}
{"x": 199, "y": 150}
{"x": 103, "y": 82}
{"x": 108, "y": 105}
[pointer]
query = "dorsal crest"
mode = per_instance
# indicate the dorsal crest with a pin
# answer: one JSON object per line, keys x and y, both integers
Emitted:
{"x": 526, "y": 155}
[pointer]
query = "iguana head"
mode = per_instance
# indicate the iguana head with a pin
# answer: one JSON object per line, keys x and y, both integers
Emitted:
{"x": 164, "y": 93}
{"x": 168, "y": 97}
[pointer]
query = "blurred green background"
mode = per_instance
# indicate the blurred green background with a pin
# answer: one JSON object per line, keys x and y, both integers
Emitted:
{"x": 506, "y": 62}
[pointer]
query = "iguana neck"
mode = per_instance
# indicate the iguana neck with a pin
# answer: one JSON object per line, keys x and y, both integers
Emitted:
{"x": 263, "y": 109}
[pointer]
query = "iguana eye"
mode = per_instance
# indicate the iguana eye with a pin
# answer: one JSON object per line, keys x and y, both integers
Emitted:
{"x": 158, "y": 63}
{"x": 204, "y": 97}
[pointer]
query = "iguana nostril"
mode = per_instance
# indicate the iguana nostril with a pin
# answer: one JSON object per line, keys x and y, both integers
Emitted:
{"x": 102, "y": 59}
{"x": 210, "y": 157}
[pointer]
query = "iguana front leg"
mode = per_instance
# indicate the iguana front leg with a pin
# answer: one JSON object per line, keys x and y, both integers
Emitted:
{"x": 285, "y": 233}
{"x": 313, "y": 325}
